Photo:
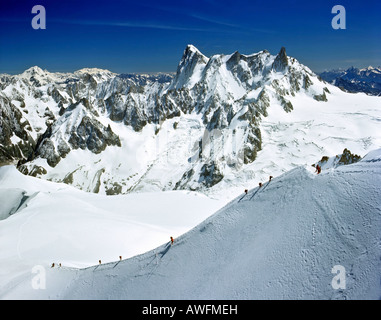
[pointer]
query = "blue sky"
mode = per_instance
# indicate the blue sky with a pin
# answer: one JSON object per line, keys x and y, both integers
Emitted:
{"x": 150, "y": 36}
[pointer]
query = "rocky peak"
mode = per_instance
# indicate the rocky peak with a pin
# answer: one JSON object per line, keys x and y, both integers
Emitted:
{"x": 235, "y": 58}
{"x": 35, "y": 75}
{"x": 192, "y": 58}
{"x": 34, "y": 70}
{"x": 191, "y": 54}
{"x": 281, "y": 61}
{"x": 228, "y": 94}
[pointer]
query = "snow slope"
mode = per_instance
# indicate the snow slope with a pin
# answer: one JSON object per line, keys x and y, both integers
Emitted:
{"x": 42, "y": 222}
{"x": 278, "y": 242}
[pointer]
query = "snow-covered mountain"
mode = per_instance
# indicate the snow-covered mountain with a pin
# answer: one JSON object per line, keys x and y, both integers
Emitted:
{"x": 281, "y": 241}
{"x": 219, "y": 123}
{"x": 366, "y": 80}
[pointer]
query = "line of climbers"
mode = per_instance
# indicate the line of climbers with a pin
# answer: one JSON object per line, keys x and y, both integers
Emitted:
{"x": 260, "y": 184}
{"x": 100, "y": 261}
{"x": 318, "y": 170}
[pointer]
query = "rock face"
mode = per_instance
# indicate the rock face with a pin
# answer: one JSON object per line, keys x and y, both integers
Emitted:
{"x": 15, "y": 139}
{"x": 281, "y": 61}
{"x": 46, "y": 116}
{"x": 347, "y": 157}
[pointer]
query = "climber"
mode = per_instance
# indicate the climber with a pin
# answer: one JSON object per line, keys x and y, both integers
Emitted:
{"x": 172, "y": 240}
{"x": 246, "y": 191}
{"x": 260, "y": 184}
{"x": 270, "y": 178}
{"x": 318, "y": 169}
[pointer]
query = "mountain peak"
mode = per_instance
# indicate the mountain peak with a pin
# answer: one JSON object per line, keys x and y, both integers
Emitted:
{"x": 34, "y": 70}
{"x": 191, "y": 51}
{"x": 92, "y": 71}
{"x": 235, "y": 57}
{"x": 282, "y": 51}
{"x": 281, "y": 60}
{"x": 192, "y": 59}
{"x": 191, "y": 47}
{"x": 36, "y": 75}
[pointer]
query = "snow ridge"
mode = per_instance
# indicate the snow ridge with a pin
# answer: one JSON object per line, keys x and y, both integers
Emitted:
{"x": 272, "y": 246}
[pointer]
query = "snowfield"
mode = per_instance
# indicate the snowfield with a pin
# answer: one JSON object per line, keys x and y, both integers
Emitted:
{"x": 56, "y": 223}
{"x": 278, "y": 242}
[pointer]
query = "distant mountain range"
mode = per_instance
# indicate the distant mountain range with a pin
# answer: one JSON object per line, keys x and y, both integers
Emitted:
{"x": 367, "y": 80}
{"x": 218, "y": 122}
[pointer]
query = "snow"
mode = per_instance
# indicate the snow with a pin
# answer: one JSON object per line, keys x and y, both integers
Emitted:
{"x": 310, "y": 131}
{"x": 196, "y": 75}
{"x": 149, "y": 161}
{"x": 192, "y": 48}
{"x": 10, "y": 200}
{"x": 92, "y": 71}
{"x": 15, "y": 139}
{"x": 59, "y": 223}
{"x": 279, "y": 242}
{"x": 80, "y": 231}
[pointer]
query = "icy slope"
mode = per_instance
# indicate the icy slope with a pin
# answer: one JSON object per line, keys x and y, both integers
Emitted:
{"x": 280, "y": 242}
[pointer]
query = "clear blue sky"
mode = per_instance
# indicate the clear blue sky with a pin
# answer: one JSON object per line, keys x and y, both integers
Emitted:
{"x": 150, "y": 36}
